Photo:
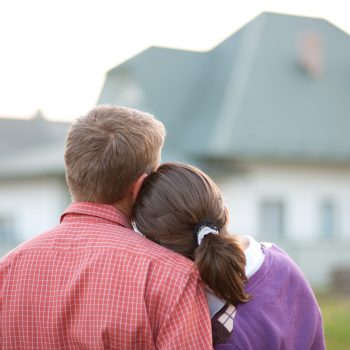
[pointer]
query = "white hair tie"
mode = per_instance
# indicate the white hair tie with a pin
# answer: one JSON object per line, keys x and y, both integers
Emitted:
{"x": 206, "y": 229}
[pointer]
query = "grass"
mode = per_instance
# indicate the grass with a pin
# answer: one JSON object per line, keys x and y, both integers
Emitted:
{"x": 336, "y": 319}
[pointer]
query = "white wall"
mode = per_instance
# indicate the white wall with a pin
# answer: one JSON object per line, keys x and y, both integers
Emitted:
{"x": 302, "y": 187}
{"x": 319, "y": 259}
{"x": 34, "y": 204}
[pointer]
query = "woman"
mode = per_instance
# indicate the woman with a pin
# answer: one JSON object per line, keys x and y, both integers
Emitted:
{"x": 258, "y": 298}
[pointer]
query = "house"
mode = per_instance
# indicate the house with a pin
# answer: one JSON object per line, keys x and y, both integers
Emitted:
{"x": 32, "y": 184}
{"x": 267, "y": 114}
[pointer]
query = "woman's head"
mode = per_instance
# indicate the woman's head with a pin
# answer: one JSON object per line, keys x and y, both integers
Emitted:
{"x": 174, "y": 202}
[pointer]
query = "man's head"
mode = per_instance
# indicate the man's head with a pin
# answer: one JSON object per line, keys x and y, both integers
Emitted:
{"x": 108, "y": 149}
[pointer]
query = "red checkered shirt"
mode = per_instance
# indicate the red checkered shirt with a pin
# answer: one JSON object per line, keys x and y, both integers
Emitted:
{"x": 94, "y": 283}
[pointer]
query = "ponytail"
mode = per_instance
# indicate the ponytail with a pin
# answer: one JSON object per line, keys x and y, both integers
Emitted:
{"x": 221, "y": 263}
{"x": 181, "y": 208}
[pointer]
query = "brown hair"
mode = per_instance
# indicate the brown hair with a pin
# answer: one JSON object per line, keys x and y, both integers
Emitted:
{"x": 172, "y": 202}
{"x": 108, "y": 149}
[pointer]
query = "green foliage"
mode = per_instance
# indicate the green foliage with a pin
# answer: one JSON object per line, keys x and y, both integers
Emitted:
{"x": 336, "y": 319}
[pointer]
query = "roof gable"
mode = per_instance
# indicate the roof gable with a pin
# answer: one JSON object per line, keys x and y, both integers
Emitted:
{"x": 273, "y": 107}
{"x": 249, "y": 96}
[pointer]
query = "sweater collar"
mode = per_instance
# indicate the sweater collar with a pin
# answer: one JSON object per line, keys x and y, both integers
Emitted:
{"x": 254, "y": 257}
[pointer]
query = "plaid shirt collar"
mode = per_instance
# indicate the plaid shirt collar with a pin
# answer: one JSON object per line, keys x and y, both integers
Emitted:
{"x": 102, "y": 211}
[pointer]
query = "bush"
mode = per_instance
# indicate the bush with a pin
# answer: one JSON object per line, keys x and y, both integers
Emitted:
{"x": 336, "y": 319}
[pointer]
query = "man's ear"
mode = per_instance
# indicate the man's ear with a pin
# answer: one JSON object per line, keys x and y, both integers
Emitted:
{"x": 227, "y": 214}
{"x": 136, "y": 186}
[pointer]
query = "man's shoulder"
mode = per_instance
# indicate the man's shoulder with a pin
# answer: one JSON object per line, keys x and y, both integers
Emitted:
{"x": 171, "y": 259}
{"x": 157, "y": 255}
{"x": 113, "y": 241}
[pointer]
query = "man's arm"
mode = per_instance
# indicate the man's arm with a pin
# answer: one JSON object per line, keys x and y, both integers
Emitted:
{"x": 187, "y": 325}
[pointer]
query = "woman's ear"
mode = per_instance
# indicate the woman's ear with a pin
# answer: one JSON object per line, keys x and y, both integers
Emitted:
{"x": 136, "y": 186}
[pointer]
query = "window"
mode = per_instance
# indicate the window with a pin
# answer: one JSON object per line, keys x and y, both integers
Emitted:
{"x": 272, "y": 219}
{"x": 328, "y": 219}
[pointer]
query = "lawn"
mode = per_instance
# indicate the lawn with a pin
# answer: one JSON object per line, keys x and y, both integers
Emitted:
{"x": 336, "y": 318}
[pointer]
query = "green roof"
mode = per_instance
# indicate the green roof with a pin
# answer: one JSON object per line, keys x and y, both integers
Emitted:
{"x": 31, "y": 147}
{"x": 249, "y": 97}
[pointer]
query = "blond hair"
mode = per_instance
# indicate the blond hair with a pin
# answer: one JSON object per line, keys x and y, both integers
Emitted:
{"x": 109, "y": 148}
{"x": 172, "y": 202}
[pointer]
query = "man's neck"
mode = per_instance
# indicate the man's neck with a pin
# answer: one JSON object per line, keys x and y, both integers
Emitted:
{"x": 124, "y": 206}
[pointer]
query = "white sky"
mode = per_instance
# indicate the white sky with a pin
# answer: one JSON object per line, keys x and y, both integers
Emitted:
{"x": 54, "y": 54}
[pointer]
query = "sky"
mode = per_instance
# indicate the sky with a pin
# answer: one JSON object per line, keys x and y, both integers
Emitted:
{"x": 54, "y": 54}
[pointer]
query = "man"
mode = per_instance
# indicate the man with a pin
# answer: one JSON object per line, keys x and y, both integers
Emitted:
{"x": 92, "y": 282}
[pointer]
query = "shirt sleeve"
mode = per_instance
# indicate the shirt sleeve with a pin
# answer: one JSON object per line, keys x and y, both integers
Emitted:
{"x": 188, "y": 324}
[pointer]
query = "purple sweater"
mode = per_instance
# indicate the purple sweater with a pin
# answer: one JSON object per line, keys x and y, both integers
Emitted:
{"x": 283, "y": 312}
